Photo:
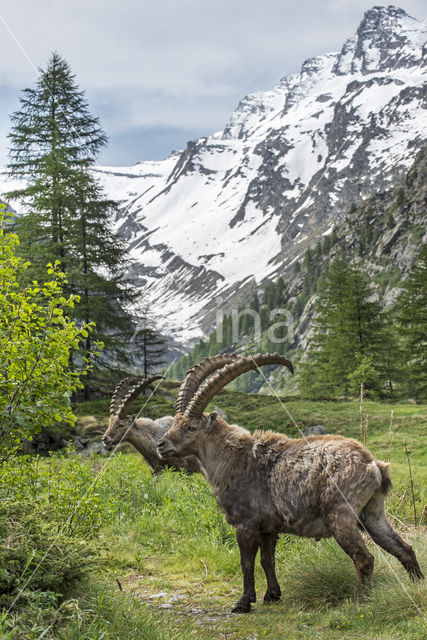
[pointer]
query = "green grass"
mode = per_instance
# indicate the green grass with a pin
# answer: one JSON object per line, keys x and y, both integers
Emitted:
{"x": 166, "y": 535}
{"x": 178, "y": 544}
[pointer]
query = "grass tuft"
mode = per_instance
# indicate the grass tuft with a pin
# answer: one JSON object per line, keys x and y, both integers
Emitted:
{"x": 320, "y": 575}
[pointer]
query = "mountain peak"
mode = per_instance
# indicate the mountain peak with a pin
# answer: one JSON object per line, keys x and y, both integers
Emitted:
{"x": 387, "y": 39}
{"x": 241, "y": 207}
{"x": 384, "y": 20}
{"x": 379, "y": 12}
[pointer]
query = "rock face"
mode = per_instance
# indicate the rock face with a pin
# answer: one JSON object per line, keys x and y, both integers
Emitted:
{"x": 208, "y": 224}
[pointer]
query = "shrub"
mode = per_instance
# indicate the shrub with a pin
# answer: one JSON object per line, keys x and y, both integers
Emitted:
{"x": 36, "y": 554}
{"x": 63, "y": 484}
{"x": 365, "y": 373}
{"x": 37, "y": 340}
{"x": 49, "y": 514}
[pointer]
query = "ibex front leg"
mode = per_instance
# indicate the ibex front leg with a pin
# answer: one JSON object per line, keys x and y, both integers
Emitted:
{"x": 268, "y": 550}
{"x": 248, "y": 544}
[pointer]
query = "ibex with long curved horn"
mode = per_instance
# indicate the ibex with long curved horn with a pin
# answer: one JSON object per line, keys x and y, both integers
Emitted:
{"x": 266, "y": 483}
{"x": 144, "y": 434}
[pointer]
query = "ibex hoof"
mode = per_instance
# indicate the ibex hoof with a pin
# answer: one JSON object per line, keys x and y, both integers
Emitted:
{"x": 415, "y": 573}
{"x": 241, "y": 607}
{"x": 272, "y": 596}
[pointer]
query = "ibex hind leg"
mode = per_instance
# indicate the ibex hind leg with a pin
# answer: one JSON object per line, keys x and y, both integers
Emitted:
{"x": 343, "y": 525}
{"x": 376, "y": 524}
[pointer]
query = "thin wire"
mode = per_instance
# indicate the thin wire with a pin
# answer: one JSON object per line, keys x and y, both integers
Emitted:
{"x": 380, "y": 550}
{"x": 89, "y": 490}
{"x": 72, "y": 125}
{"x": 19, "y": 45}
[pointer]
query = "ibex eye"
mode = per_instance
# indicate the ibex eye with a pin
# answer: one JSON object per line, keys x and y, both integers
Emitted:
{"x": 192, "y": 428}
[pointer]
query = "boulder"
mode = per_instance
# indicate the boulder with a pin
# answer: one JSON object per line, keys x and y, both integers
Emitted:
{"x": 315, "y": 430}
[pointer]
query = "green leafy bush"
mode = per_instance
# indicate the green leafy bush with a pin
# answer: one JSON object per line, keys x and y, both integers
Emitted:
{"x": 50, "y": 513}
{"x": 63, "y": 483}
{"x": 36, "y": 342}
{"x": 365, "y": 373}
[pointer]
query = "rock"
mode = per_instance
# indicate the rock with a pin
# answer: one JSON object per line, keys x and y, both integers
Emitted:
{"x": 80, "y": 443}
{"x": 315, "y": 430}
{"x": 176, "y": 597}
{"x": 221, "y": 413}
{"x": 95, "y": 448}
{"x": 44, "y": 442}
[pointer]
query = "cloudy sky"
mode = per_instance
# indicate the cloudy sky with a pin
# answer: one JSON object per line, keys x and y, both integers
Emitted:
{"x": 161, "y": 72}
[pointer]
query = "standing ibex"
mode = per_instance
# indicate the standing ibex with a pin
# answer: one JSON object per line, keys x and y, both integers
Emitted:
{"x": 267, "y": 483}
{"x": 144, "y": 434}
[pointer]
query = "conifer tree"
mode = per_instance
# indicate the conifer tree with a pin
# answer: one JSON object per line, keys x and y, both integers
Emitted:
{"x": 412, "y": 316}
{"x": 350, "y": 337}
{"x": 149, "y": 342}
{"x": 54, "y": 141}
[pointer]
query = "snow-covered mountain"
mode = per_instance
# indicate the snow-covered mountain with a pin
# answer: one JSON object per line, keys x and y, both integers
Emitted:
{"x": 241, "y": 205}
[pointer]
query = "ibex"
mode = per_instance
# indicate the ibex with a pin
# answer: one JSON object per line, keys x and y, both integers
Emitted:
{"x": 267, "y": 484}
{"x": 144, "y": 434}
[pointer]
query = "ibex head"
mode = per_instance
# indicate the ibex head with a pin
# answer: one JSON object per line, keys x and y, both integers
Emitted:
{"x": 190, "y": 424}
{"x": 120, "y": 422}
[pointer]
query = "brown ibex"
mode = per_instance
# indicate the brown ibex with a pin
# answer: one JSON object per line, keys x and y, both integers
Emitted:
{"x": 144, "y": 434}
{"x": 267, "y": 484}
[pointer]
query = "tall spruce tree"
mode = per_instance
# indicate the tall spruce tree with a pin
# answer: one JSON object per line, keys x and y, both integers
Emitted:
{"x": 54, "y": 141}
{"x": 412, "y": 316}
{"x": 150, "y": 344}
{"x": 350, "y": 340}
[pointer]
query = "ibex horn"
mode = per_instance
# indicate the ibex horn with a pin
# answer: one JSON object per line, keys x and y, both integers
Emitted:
{"x": 228, "y": 373}
{"x": 197, "y": 374}
{"x": 134, "y": 392}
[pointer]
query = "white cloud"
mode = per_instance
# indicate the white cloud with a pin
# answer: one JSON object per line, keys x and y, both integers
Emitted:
{"x": 181, "y": 63}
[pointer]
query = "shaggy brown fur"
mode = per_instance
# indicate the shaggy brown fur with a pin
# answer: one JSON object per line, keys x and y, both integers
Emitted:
{"x": 267, "y": 484}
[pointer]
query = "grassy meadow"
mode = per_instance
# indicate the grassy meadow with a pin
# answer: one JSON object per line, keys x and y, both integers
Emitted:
{"x": 160, "y": 562}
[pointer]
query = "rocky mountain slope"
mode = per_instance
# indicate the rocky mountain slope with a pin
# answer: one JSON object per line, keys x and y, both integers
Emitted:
{"x": 208, "y": 224}
{"x": 382, "y": 236}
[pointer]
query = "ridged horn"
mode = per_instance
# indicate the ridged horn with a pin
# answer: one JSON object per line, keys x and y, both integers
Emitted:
{"x": 134, "y": 392}
{"x": 197, "y": 374}
{"x": 117, "y": 397}
{"x": 228, "y": 373}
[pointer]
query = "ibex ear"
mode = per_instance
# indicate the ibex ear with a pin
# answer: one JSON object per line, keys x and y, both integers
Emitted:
{"x": 210, "y": 421}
